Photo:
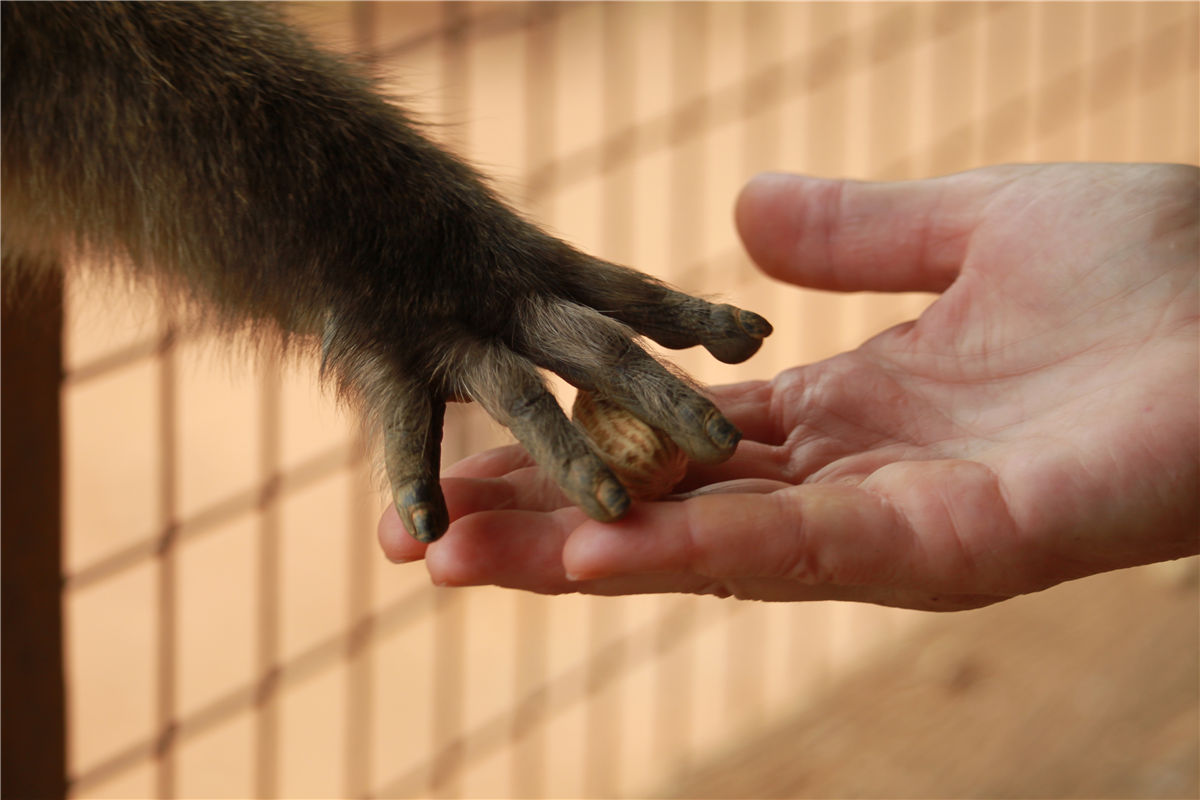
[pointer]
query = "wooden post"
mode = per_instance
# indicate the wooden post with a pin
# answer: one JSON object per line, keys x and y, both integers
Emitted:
{"x": 33, "y": 763}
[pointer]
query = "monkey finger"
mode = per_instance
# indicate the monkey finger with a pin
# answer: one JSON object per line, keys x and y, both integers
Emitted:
{"x": 528, "y": 489}
{"x": 512, "y": 391}
{"x": 412, "y": 437}
{"x": 659, "y": 398}
{"x": 596, "y": 353}
{"x": 731, "y": 334}
{"x": 672, "y": 318}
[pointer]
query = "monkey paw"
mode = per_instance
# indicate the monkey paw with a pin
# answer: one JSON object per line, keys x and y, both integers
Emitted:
{"x": 585, "y": 329}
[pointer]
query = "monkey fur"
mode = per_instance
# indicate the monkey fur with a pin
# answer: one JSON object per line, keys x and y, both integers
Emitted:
{"x": 214, "y": 150}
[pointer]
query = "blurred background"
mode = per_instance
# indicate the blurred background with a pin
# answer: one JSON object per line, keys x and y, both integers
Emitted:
{"x": 231, "y": 629}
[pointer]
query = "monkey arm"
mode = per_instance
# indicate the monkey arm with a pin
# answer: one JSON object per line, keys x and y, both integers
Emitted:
{"x": 210, "y": 141}
{"x": 214, "y": 150}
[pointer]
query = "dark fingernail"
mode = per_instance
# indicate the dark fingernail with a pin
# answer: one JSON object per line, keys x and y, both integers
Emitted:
{"x": 613, "y": 497}
{"x": 423, "y": 510}
{"x": 753, "y": 324}
{"x": 428, "y": 523}
{"x": 721, "y": 431}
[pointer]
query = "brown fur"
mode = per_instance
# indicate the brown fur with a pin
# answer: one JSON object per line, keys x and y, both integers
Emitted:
{"x": 214, "y": 150}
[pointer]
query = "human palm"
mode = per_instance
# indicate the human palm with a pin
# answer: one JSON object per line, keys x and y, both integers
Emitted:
{"x": 1037, "y": 423}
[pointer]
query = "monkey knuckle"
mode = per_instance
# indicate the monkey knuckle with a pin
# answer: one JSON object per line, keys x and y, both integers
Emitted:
{"x": 525, "y": 406}
{"x": 622, "y": 353}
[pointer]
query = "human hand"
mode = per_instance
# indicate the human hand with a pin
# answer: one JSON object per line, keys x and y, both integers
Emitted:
{"x": 1039, "y": 422}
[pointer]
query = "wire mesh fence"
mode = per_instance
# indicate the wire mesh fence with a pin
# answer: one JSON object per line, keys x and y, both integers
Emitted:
{"x": 232, "y": 629}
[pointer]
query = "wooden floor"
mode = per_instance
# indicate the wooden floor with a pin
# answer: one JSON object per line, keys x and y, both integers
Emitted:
{"x": 1091, "y": 689}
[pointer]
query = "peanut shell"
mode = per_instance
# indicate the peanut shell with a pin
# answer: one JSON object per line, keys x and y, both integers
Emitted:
{"x": 644, "y": 459}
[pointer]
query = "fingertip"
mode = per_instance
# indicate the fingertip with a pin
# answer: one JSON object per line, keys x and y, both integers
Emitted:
{"x": 750, "y": 407}
{"x": 397, "y": 545}
{"x": 845, "y": 235}
{"x": 765, "y": 215}
{"x": 753, "y": 325}
{"x": 470, "y": 554}
{"x": 517, "y": 549}
{"x": 760, "y": 192}
{"x": 421, "y": 508}
{"x": 587, "y": 553}
{"x": 450, "y": 562}
{"x": 642, "y": 542}
{"x": 746, "y": 203}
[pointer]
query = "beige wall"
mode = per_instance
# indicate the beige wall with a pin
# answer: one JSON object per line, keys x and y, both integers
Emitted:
{"x": 233, "y": 630}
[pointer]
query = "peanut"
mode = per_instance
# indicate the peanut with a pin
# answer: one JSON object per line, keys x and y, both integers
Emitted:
{"x": 644, "y": 459}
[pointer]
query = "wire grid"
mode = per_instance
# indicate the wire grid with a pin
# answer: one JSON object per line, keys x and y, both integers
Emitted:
{"x": 232, "y": 630}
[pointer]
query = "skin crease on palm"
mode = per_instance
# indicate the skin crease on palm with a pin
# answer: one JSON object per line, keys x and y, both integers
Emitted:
{"x": 1038, "y": 423}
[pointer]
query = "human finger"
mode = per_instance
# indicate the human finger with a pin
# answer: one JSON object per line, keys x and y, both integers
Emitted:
{"x": 520, "y": 549}
{"x": 397, "y": 544}
{"x": 939, "y": 527}
{"x": 812, "y": 535}
{"x": 850, "y": 235}
{"x": 525, "y": 550}
{"x": 529, "y": 488}
{"x": 494, "y": 546}
{"x": 491, "y": 463}
{"x": 750, "y": 406}
{"x": 752, "y": 461}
